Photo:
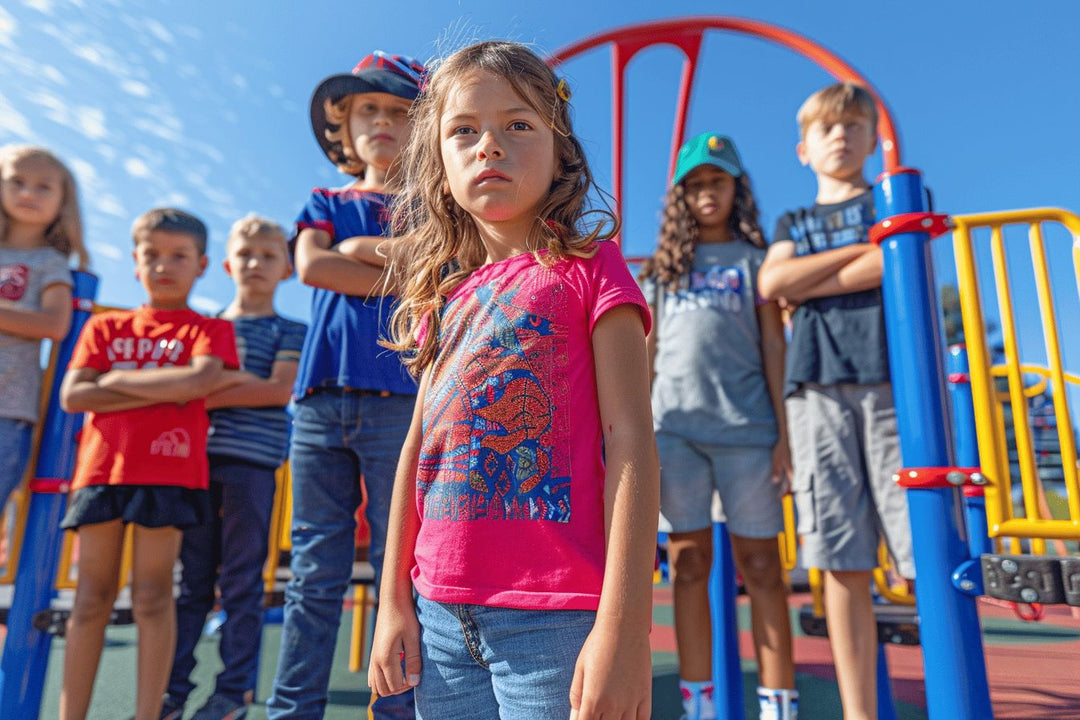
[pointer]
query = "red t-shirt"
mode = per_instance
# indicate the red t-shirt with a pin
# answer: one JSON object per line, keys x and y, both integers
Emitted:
{"x": 162, "y": 444}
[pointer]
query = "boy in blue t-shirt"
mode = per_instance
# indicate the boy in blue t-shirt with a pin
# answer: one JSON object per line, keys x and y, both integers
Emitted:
{"x": 842, "y": 423}
{"x": 354, "y": 399}
{"x": 249, "y": 433}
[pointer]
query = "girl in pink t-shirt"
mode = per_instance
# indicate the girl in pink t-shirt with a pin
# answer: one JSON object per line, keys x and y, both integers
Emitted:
{"x": 524, "y": 512}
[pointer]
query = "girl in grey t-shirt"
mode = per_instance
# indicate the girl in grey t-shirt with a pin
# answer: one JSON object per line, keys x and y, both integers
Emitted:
{"x": 718, "y": 361}
{"x": 39, "y": 229}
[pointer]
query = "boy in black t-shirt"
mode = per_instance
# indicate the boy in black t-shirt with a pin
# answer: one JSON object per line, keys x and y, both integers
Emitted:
{"x": 841, "y": 419}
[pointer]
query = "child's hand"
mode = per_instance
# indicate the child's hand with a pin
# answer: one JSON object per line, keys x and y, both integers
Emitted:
{"x": 397, "y": 638}
{"x": 781, "y": 465}
{"x": 613, "y": 677}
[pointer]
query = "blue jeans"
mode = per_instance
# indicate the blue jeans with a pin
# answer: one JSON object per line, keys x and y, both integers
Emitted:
{"x": 236, "y": 537}
{"x": 488, "y": 662}
{"x": 15, "y": 439}
{"x": 337, "y": 437}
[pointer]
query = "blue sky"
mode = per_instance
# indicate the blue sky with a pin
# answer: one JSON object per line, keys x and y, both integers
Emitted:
{"x": 205, "y": 105}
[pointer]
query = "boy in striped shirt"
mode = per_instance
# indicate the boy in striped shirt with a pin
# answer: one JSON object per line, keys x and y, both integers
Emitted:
{"x": 249, "y": 433}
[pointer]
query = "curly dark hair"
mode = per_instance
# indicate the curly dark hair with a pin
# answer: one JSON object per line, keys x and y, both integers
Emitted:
{"x": 679, "y": 233}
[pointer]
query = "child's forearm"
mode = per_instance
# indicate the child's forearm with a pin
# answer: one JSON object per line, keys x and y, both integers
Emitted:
{"x": 373, "y": 250}
{"x": 330, "y": 270}
{"x": 249, "y": 390}
{"x": 862, "y": 273}
{"x": 51, "y": 322}
{"x": 167, "y": 384}
{"x": 791, "y": 277}
{"x": 88, "y": 396}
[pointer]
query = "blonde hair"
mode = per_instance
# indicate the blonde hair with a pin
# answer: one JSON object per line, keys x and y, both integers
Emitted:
{"x": 170, "y": 220}
{"x": 679, "y": 232}
{"x": 835, "y": 102}
{"x": 341, "y": 152}
{"x": 252, "y": 225}
{"x": 65, "y": 233}
{"x": 444, "y": 245}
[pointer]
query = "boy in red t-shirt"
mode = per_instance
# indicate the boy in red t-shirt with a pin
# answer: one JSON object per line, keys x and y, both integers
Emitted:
{"x": 141, "y": 377}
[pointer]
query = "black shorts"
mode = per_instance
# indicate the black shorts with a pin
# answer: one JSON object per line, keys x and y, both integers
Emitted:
{"x": 151, "y": 506}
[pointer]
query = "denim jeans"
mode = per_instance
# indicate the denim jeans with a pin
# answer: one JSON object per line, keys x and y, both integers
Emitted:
{"x": 489, "y": 662}
{"x": 15, "y": 439}
{"x": 236, "y": 537}
{"x": 337, "y": 437}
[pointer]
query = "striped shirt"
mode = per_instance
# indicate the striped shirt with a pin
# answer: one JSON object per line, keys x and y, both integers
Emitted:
{"x": 258, "y": 435}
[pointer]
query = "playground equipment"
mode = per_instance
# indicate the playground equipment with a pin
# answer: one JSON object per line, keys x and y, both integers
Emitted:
{"x": 955, "y": 563}
{"x": 947, "y": 554}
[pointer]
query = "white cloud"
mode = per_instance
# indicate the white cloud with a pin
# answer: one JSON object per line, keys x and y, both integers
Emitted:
{"x": 203, "y": 304}
{"x": 90, "y": 121}
{"x": 137, "y": 168}
{"x": 90, "y": 54}
{"x": 105, "y": 250}
{"x": 173, "y": 199}
{"x": 42, "y": 6}
{"x": 160, "y": 55}
{"x": 136, "y": 88}
{"x": 239, "y": 81}
{"x": 8, "y": 27}
{"x": 109, "y": 204}
{"x": 277, "y": 91}
{"x": 108, "y": 152}
{"x": 12, "y": 121}
{"x": 158, "y": 30}
{"x": 85, "y": 173}
{"x": 53, "y": 74}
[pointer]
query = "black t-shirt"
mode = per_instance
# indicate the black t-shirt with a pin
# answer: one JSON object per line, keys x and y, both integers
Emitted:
{"x": 839, "y": 338}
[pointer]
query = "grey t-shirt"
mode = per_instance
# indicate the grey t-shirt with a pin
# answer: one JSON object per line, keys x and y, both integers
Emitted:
{"x": 839, "y": 338}
{"x": 24, "y": 275}
{"x": 710, "y": 382}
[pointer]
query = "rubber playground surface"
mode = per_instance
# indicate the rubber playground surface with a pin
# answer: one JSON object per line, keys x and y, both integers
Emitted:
{"x": 1032, "y": 668}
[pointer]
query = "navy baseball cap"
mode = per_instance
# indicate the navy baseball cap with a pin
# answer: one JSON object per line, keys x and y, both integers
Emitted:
{"x": 379, "y": 72}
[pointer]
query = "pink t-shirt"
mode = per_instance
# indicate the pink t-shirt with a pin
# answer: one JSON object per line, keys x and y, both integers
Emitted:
{"x": 510, "y": 483}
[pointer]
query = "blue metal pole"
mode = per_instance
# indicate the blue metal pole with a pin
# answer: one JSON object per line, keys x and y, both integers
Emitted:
{"x": 955, "y": 669}
{"x": 886, "y": 709}
{"x": 726, "y": 666}
{"x": 26, "y": 649}
{"x": 967, "y": 448}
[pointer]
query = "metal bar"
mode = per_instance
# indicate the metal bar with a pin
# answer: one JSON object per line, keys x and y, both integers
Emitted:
{"x": 1017, "y": 398}
{"x": 1066, "y": 439}
{"x": 955, "y": 669}
{"x": 726, "y": 665}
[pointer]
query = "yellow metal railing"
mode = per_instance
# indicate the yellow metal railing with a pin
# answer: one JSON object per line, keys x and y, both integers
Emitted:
{"x": 1002, "y": 518}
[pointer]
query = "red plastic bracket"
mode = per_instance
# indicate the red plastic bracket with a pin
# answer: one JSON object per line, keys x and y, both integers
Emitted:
{"x": 49, "y": 485}
{"x": 939, "y": 477}
{"x": 932, "y": 223}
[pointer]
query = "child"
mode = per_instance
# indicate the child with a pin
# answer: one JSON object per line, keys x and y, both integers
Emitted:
{"x": 839, "y": 402}
{"x": 718, "y": 405}
{"x": 353, "y": 398}
{"x": 249, "y": 433}
{"x": 532, "y": 561}
{"x": 39, "y": 229}
{"x": 141, "y": 376}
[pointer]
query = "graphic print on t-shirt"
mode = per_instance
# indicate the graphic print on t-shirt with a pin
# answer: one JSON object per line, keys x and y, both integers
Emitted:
{"x": 495, "y": 443}
{"x": 716, "y": 287}
{"x": 843, "y": 226}
{"x": 13, "y": 281}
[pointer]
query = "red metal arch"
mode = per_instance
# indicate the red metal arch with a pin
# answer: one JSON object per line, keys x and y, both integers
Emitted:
{"x": 687, "y": 34}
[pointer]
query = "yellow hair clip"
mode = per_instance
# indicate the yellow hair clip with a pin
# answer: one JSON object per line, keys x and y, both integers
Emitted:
{"x": 563, "y": 90}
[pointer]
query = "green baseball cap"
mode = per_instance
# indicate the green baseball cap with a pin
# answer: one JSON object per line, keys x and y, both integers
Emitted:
{"x": 707, "y": 149}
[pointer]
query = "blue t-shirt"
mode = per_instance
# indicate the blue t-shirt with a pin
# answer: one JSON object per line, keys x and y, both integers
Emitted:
{"x": 257, "y": 435}
{"x": 839, "y": 338}
{"x": 342, "y": 348}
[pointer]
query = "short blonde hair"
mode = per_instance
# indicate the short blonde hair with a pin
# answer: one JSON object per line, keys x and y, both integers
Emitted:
{"x": 170, "y": 220}
{"x": 65, "y": 234}
{"x": 252, "y": 225}
{"x": 835, "y": 102}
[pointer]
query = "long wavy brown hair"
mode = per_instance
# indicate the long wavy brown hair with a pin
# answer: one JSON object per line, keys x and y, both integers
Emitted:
{"x": 444, "y": 245}
{"x": 679, "y": 233}
{"x": 65, "y": 233}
